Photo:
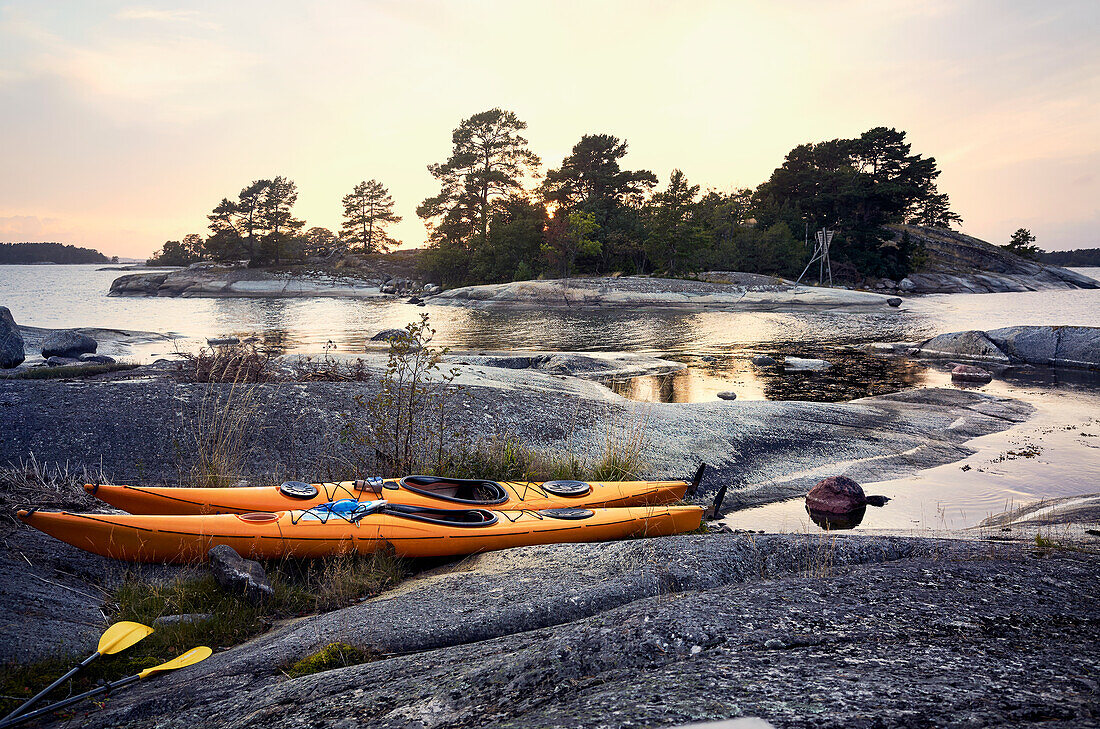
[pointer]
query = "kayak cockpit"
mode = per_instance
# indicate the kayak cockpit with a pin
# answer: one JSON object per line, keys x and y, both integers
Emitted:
{"x": 447, "y": 517}
{"x": 457, "y": 490}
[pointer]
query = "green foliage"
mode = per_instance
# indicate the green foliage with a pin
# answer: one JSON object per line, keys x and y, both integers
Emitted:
{"x": 516, "y": 231}
{"x": 258, "y": 225}
{"x": 569, "y": 236}
{"x": 1077, "y": 257}
{"x": 48, "y": 253}
{"x": 674, "y": 233}
{"x": 368, "y": 210}
{"x": 774, "y": 251}
{"x": 591, "y": 181}
{"x": 180, "y": 253}
{"x": 856, "y": 186}
{"x": 488, "y": 163}
{"x": 1021, "y": 244}
{"x": 333, "y": 655}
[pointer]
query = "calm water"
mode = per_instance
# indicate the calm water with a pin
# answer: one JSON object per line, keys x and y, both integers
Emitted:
{"x": 72, "y": 296}
{"x": 717, "y": 346}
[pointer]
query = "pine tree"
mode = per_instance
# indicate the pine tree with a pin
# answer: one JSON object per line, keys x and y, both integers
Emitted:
{"x": 368, "y": 209}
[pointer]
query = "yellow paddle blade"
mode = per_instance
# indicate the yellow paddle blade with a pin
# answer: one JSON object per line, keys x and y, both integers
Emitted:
{"x": 121, "y": 636}
{"x": 189, "y": 658}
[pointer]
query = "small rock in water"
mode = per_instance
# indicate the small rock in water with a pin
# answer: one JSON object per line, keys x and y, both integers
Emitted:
{"x": 727, "y": 395}
{"x": 387, "y": 335}
{"x": 798, "y": 364}
{"x": 763, "y": 360}
{"x": 12, "y": 353}
{"x": 836, "y": 495}
{"x": 56, "y": 361}
{"x": 970, "y": 373}
{"x": 237, "y": 574}
{"x": 68, "y": 343}
{"x": 222, "y": 341}
{"x": 414, "y": 300}
{"x": 894, "y": 301}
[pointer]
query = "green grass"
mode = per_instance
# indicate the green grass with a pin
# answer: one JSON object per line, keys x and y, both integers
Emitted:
{"x": 301, "y": 587}
{"x": 54, "y": 373}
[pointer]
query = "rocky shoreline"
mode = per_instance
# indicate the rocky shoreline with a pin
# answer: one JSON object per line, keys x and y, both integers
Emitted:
{"x": 799, "y": 629}
{"x": 803, "y": 631}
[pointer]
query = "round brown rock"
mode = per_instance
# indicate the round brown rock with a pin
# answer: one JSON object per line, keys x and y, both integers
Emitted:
{"x": 836, "y": 495}
{"x": 970, "y": 373}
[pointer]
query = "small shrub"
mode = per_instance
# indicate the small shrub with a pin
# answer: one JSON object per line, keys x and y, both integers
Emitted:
{"x": 333, "y": 655}
{"x": 233, "y": 363}
{"x": 402, "y": 427}
{"x": 330, "y": 369}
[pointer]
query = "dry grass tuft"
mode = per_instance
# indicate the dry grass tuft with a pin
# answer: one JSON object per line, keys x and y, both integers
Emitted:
{"x": 229, "y": 363}
{"x": 56, "y": 486}
{"x": 217, "y": 436}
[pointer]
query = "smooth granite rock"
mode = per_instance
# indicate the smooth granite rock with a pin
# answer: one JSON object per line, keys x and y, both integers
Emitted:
{"x": 973, "y": 345}
{"x": 799, "y": 364}
{"x": 68, "y": 343}
{"x": 12, "y": 353}
{"x": 802, "y": 631}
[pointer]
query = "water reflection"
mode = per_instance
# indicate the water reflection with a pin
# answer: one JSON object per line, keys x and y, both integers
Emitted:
{"x": 853, "y": 375}
{"x": 832, "y": 522}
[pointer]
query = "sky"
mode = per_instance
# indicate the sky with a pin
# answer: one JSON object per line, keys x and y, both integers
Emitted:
{"x": 122, "y": 124}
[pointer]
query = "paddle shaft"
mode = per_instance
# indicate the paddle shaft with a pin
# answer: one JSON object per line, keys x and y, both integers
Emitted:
{"x": 51, "y": 687}
{"x": 106, "y": 688}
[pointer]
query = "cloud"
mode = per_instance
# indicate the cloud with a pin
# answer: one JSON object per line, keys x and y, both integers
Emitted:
{"x": 188, "y": 17}
{"x": 19, "y": 228}
{"x": 179, "y": 68}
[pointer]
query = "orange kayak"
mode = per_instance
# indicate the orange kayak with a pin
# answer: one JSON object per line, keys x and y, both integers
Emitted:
{"x": 428, "y": 491}
{"x": 353, "y": 526}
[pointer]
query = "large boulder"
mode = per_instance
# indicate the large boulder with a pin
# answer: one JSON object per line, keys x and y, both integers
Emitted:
{"x": 1035, "y": 345}
{"x": 12, "y": 353}
{"x": 237, "y": 574}
{"x": 836, "y": 495}
{"x": 1047, "y": 345}
{"x": 1078, "y": 347}
{"x": 964, "y": 345}
{"x": 68, "y": 343}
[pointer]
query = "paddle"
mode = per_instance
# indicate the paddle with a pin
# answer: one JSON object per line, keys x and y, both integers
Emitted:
{"x": 115, "y": 639}
{"x": 189, "y": 658}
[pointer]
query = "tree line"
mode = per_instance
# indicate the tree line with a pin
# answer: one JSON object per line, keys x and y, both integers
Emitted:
{"x": 50, "y": 253}
{"x": 497, "y": 218}
{"x": 1078, "y": 257}
{"x": 258, "y": 225}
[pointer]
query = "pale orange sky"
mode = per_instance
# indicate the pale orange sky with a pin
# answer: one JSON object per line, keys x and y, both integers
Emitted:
{"x": 124, "y": 123}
